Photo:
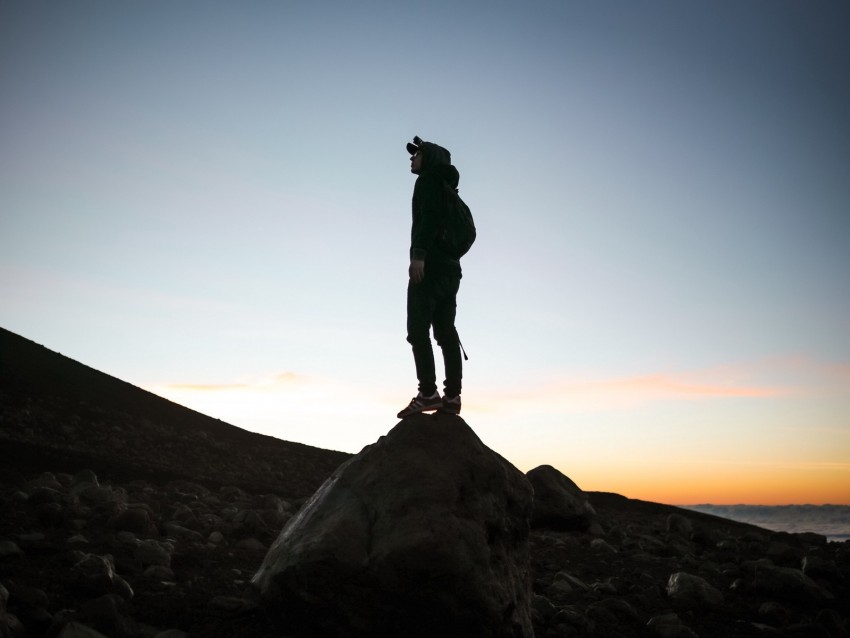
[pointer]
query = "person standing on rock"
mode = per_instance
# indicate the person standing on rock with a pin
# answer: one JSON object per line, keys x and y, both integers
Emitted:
{"x": 435, "y": 275}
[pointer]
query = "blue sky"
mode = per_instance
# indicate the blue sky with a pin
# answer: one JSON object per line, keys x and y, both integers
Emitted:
{"x": 212, "y": 200}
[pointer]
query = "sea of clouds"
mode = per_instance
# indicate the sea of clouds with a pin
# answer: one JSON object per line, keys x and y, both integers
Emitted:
{"x": 832, "y": 521}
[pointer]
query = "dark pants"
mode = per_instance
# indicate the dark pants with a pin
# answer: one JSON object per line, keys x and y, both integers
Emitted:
{"x": 433, "y": 302}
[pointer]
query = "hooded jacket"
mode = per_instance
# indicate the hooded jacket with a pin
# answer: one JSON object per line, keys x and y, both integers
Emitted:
{"x": 430, "y": 209}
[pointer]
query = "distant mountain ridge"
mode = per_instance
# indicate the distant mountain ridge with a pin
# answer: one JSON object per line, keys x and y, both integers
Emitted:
{"x": 56, "y": 410}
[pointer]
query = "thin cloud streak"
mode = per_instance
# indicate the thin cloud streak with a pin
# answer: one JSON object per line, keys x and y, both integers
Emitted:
{"x": 556, "y": 396}
{"x": 271, "y": 384}
{"x": 827, "y": 466}
{"x": 632, "y": 392}
{"x": 661, "y": 386}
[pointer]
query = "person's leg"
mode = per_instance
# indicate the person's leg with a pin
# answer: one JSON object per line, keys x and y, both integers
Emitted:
{"x": 420, "y": 311}
{"x": 445, "y": 333}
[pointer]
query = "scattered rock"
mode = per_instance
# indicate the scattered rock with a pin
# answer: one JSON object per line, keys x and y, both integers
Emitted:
{"x": 783, "y": 553}
{"x": 251, "y": 544}
{"x": 774, "y": 614}
{"x": 78, "y": 630}
{"x": 227, "y": 603}
{"x": 575, "y": 583}
{"x": 786, "y": 583}
{"x": 107, "y": 614}
{"x": 679, "y": 524}
{"x": 152, "y": 552}
{"x": 11, "y": 626}
{"x": 833, "y": 622}
{"x": 95, "y": 572}
{"x": 669, "y": 626}
{"x": 9, "y": 549}
{"x": 215, "y": 537}
{"x": 30, "y": 605}
{"x": 602, "y": 546}
{"x": 41, "y": 495}
{"x": 136, "y": 520}
{"x": 178, "y": 531}
{"x": 692, "y": 591}
{"x": 817, "y": 568}
{"x": 542, "y": 610}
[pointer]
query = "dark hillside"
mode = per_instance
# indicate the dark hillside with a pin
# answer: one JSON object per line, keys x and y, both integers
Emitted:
{"x": 55, "y": 411}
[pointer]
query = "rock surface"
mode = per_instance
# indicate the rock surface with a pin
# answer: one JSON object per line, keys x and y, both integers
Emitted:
{"x": 424, "y": 533}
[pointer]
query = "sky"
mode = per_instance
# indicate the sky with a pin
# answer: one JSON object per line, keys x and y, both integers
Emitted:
{"x": 211, "y": 200}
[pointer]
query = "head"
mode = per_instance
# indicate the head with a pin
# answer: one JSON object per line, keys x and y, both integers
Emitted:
{"x": 416, "y": 162}
{"x": 426, "y": 155}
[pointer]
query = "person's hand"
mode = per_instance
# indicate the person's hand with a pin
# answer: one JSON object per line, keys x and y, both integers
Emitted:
{"x": 416, "y": 270}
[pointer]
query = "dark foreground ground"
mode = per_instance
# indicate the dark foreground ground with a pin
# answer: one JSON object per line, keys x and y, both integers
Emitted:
{"x": 132, "y": 515}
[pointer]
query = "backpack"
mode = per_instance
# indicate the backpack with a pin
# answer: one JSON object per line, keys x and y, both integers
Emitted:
{"x": 459, "y": 232}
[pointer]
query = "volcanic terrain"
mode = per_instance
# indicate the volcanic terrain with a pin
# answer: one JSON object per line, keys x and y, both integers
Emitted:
{"x": 128, "y": 516}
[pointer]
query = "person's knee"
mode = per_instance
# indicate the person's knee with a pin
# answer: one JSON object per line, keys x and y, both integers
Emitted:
{"x": 446, "y": 336}
{"x": 418, "y": 338}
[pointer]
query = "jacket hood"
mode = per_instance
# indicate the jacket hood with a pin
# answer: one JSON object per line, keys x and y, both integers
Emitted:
{"x": 437, "y": 161}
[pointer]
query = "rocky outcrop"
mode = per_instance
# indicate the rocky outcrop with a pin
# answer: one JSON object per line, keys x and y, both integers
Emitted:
{"x": 558, "y": 502}
{"x": 424, "y": 533}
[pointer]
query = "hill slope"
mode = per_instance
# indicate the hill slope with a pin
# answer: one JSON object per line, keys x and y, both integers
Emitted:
{"x": 57, "y": 414}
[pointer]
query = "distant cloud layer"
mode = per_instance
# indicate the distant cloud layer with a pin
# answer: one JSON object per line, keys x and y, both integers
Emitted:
{"x": 828, "y": 520}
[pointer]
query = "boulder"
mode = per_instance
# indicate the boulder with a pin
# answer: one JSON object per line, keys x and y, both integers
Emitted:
{"x": 95, "y": 571}
{"x": 79, "y": 630}
{"x": 152, "y": 552}
{"x": 816, "y": 567}
{"x": 136, "y": 520}
{"x": 11, "y": 626}
{"x": 681, "y": 525}
{"x": 423, "y": 533}
{"x": 774, "y": 614}
{"x": 108, "y": 614}
{"x": 575, "y": 583}
{"x": 692, "y": 591}
{"x": 9, "y": 549}
{"x": 669, "y": 626}
{"x": 558, "y": 502}
{"x": 787, "y": 584}
{"x": 832, "y": 621}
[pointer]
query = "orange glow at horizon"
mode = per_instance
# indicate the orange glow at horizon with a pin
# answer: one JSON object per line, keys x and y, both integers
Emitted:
{"x": 644, "y": 455}
{"x": 815, "y": 484}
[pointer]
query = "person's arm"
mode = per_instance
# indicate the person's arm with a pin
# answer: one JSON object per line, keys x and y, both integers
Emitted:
{"x": 426, "y": 230}
{"x": 416, "y": 270}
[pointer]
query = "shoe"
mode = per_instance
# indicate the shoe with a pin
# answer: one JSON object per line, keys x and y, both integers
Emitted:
{"x": 421, "y": 404}
{"x": 451, "y": 405}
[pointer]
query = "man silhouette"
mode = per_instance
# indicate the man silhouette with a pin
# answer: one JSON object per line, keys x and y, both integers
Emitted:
{"x": 434, "y": 281}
